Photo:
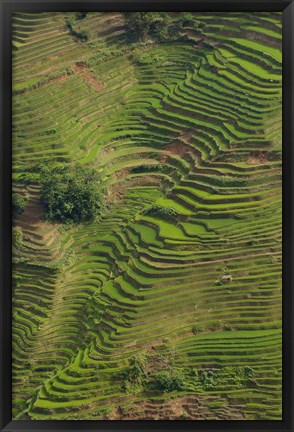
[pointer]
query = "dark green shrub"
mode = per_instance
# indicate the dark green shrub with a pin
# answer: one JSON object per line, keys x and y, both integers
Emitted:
{"x": 19, "y": 203}
{"x": 249, "y": 376}
{"x": 206, "y": 378}
{"x": 134, "y": 376}
{"x": 29, "y": 178}
{"x": 82, "y": 35}
{"x": 150, "y": 168}
{"x": 81, "y": 15}
{"x": 193, "y": 372}
{"x": 16, "y": 280}
{"x": 169, "y": 380}
{"x": 163, "y": 212}
{"x": 196, "y": 330}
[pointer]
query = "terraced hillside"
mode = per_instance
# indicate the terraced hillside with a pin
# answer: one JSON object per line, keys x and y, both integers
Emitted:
{"x": 168, "y": 306}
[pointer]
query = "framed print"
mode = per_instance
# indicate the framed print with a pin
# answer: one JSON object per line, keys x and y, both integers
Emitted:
{"x": 146, "y": 199}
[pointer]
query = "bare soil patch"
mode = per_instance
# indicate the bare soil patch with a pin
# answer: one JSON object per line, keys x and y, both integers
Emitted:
{"x": 81, "y": 69}
{"x": 116, "y": 193}
{"x": 115, "y": 28}
{"x": 144, "y": 180}
{"x": 33, "y": 224}
{"x": 258, "y": 158}
{"x": 168, "y": 410}
{"x": 181, "y": 147}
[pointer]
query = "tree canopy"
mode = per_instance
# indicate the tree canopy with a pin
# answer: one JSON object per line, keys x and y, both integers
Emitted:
{"x": 159, "y": 26}
{"x": 140, "y": 25}
{"x": 70, "y": 194}
{"x": 169, "y": 380}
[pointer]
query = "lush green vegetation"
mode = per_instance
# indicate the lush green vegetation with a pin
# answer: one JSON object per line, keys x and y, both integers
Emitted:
{"x": 163, "y": 212}
{"x": 141, "y": 25}
{"x": 73, "y": 27}
{"x": 168, "y": 380}
{"x": 70, "y": 194}
{"x": 19, "y": 203}
{"x": 134, "y": 376}
{"x": 152, "y": 143}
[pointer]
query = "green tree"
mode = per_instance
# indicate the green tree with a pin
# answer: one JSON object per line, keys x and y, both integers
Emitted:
{"x": 140, "y": 25}
{"x": 70, "y": 194}
{"x": 134, "y": 376}
{"x": 19, "y": 203}
{"x": 169, "y": 380}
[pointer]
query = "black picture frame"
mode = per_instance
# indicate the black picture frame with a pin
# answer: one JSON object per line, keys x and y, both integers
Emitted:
{"x": 7, "y": 8}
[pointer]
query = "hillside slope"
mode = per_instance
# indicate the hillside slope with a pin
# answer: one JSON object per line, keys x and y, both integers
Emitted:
{"x": 192, "y": 125}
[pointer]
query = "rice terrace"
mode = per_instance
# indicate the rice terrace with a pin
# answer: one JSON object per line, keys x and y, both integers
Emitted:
{"x": 147, "y": 173}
